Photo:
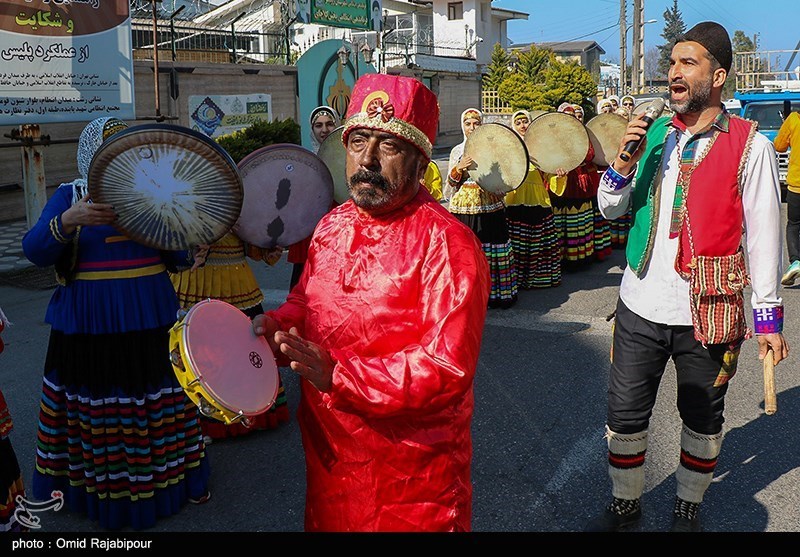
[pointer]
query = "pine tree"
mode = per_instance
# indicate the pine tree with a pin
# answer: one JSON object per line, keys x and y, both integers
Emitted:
{"x": 673, "y": 28}
{"x": 498, "y": 69}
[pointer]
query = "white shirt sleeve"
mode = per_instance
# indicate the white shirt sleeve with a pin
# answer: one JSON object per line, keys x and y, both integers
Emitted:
{"x": 761, "y": 199}
{"x": 614, "y": 193}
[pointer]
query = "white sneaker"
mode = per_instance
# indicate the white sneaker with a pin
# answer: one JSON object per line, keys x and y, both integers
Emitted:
{"x": 791, "y": 274}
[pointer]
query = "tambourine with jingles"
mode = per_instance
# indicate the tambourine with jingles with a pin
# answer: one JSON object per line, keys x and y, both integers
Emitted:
{"x": 500, "y": 158}
{"x": 287, "y": 190}
{"x": 557, "y": 140}
{"x": 172, "y": 187}
{"x": 223, "y": 366}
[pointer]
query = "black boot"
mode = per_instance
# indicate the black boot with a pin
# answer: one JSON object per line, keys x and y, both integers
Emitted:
{"x": 620, "y": 514}
{"x": 683, "y": 524}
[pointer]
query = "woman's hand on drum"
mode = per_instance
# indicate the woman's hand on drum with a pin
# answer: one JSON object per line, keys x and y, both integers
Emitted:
{"x": 200, "y": 256}
{"x": 85, "y": 213}
{"x": 464, "y": 164}
{"x": 309, "y": 360}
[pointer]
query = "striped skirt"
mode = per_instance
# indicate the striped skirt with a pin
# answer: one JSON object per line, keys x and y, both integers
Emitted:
{"x": 117, "y": 434}
{"x": 619, "y": 230}
{"x": 602, "y": 234}
{"x": 537, "y": 251}
{"x": 574, "y": 220}
{"x": 492, "y": 231}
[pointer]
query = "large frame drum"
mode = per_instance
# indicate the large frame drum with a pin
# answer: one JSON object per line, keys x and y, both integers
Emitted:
{"x": 172, "y": 187}
{"x": 287, "y": 190}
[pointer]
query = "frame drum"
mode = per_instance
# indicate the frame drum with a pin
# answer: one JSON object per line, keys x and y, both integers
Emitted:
{"x": 500, "y": 155}
{"x": 557, "y": 140}
{"x": 334, "y": 153}
{"x": 287, "y": 190}
{"x": 224, "y": 368}
{"x": 173, "y": 188}
{"x": 605, "y": 133}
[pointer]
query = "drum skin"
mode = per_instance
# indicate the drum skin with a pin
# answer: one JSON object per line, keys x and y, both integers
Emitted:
{"x": 173, "y": 188}
{"x": 557, "y": 140}
{"x": 605, "y": 133}
{"x": 500, "y": 155}
{"x": 225, "y": 369}
{"x": 334, "y": 153}
{"x": 287, "y": 190}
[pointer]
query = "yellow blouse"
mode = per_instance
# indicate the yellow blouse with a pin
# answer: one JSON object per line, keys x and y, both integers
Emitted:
{"x": 533, "y": 191}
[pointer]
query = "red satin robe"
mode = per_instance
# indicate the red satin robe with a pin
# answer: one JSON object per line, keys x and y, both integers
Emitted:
{"x": 400, "y": 303}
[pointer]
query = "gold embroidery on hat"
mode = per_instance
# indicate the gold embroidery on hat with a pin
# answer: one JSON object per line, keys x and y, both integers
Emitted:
{"x": 382, "y": 95}
{"x": 394, "y": 126}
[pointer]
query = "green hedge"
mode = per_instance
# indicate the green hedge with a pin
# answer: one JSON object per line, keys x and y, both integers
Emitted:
{"x": 241, "y": 143}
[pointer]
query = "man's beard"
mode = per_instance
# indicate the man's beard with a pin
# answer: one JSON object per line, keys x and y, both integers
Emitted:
{"x": 697, "y": 99}
{"x": 375, "y": 197}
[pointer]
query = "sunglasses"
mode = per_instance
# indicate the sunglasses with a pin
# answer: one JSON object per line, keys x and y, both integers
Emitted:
{"x": 627, "y": 104}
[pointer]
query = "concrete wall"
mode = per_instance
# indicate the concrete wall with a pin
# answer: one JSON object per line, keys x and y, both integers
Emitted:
{"x": 456, "y": 92}
{"x": 194, "y": 78}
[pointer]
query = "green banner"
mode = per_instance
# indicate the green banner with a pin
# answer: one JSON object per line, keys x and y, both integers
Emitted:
{"x": 352, "y": 14}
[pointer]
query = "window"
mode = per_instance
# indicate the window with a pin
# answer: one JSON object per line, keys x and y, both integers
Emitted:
{"x": 455, "y": 10}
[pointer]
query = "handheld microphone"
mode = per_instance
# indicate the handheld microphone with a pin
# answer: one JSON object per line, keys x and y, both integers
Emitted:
{"x": 650, "y": 115}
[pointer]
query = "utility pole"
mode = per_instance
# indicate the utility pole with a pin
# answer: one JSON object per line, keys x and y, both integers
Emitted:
{"x": 623, "y": 39}
{"x": 637, "y": 47}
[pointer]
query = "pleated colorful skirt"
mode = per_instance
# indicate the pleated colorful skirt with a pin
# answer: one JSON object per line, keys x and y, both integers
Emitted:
{"x": 11, "y": 484}
{"x": 117, "y": 434}
{"x": 574, "y": 221}
{"x": 534, "y": 241}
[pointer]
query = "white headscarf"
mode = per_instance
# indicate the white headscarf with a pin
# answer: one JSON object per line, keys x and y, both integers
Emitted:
{"x": 92, "y": 136}
{"x": 322, "y": 110}
{"x": 458, "y": 150}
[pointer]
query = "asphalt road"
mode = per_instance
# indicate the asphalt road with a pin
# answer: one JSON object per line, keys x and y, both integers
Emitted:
{"x": 539, "y": 454}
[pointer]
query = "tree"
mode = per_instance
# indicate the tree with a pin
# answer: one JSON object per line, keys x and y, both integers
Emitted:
{"x": 743, "y": 43}
{"x": 534, "y": 63}
{"x": 673, "y": 28}
{"x": 651, "y": 71}
{"x": 498, "y": 70}
{"x": 570, "y": 82}
{"x": 518, "y": 91}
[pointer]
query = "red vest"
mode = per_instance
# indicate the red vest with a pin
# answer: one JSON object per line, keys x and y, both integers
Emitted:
{"x": 713, "y": 200}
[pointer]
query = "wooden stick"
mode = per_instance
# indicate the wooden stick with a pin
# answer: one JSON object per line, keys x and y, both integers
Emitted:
{"x": 770, "y": 399}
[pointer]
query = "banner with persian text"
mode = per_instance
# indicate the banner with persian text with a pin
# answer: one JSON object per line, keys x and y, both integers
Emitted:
{"x": 65, "y": 61}
{"x": 352, "y": 14}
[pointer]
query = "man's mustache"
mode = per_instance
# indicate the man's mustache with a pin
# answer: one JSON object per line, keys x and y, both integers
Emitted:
{"x": 370, "y": 177}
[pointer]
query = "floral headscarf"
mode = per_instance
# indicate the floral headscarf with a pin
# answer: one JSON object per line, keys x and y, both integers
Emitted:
{"x": 92, "y": 136}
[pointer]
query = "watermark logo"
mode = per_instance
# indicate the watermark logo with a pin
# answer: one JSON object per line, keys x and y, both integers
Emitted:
{"x": 26, "y": 511}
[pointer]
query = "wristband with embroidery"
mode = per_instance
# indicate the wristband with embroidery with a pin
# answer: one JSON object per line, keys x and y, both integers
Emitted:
{"x": 615, "y": 180}
{"x": 57, "y": 231}
{"x": 768, "y": 320}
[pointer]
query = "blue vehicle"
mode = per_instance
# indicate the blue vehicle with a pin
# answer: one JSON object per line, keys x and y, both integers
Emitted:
{"x": 769, "y": 109}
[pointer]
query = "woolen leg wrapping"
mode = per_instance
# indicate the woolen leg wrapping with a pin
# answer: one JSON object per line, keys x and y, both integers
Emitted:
{"x": 626, "y": 463}
{"x": 698, "y": 460}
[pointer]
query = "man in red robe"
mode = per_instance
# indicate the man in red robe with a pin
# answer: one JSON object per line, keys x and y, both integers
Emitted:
{"x": 385, "y": 327}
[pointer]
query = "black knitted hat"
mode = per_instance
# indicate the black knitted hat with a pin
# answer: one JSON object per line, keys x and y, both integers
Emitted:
{"x": 714, "y": 38}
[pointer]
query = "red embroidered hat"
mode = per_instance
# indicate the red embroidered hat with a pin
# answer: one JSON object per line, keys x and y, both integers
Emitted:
{"x": 402, "y": 106}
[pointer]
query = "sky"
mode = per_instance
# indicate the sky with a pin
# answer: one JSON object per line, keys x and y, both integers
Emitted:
{"x": 775, "y": 21}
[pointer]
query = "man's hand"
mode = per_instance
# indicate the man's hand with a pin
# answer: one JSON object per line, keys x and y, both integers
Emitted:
{"x": 200, "y": 256}
{"x": 309, "y": 360}
{"x": 265, "y": 326}
{"x": 84, "y": 213}
{"x": 780, "y": 348}
{"x": 636, "y": 130}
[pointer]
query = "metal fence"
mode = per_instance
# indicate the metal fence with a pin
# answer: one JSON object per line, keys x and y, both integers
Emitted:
{"x": 776, "y": 68}
{"x": 491, "y": 103}
{"x": 182, "y": 40}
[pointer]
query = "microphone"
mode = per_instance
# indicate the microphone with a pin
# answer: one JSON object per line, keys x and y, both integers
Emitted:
{"x": 650, "y": 115}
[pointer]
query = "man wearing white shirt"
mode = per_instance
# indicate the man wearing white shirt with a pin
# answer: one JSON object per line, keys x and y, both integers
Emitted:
{"x": 702, "y": 177}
